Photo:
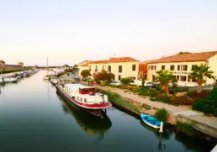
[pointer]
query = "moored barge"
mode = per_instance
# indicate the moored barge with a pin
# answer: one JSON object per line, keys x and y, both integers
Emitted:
{"x": 85, "y": 98}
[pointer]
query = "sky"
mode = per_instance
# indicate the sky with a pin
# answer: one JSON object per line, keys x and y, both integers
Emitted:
{"x": 70, "y": 31}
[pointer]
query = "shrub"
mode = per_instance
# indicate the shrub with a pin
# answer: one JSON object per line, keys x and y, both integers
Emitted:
{"x": 215, "y": 112}
{"x": 209, "y": 104}
{"x": 85, "y": 73}
{"x": 198, "y": 105}
{"x": 190, "y": 93}
{"x": 103, "y": 76}
{"x": 213, "y": 94}
{"x": 162, "y": 115}
{"x": 153, "y": 92}
{"x": 143, "y": 91}
{"x": 186, "y": 128}
{"x": 165, "y": 98}
{"x": 126, "y": 80}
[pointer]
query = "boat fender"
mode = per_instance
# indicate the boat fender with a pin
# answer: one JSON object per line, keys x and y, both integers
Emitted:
{"x": 161, "y": 127}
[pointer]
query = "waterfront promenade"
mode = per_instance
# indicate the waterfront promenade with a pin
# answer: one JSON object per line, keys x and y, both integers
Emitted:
{"x": 201, "y": 122}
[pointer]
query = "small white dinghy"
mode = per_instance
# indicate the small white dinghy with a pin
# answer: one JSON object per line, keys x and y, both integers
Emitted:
{"x": 54, "y": 81}
{"x": 10, "y": 80}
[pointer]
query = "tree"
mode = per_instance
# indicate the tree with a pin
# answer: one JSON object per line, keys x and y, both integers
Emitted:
{"x": 165, "y": 77}
{"x": 199, "y": 74}
{"x": 85, "y": 73}
{"x": 143, "y": 80}
{"x": 103, "y": 76}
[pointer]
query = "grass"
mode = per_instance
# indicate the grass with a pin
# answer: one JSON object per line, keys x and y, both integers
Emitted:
{"x": 186, "y": 128}
{"x": 162, "y": 115}
{"x": 117, "y": 100}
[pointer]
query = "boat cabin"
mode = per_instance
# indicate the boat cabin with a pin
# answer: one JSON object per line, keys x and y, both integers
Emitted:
{"x": 90, "y": 91}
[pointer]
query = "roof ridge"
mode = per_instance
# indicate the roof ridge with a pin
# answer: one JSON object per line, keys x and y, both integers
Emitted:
{"x": 186, "y": 57}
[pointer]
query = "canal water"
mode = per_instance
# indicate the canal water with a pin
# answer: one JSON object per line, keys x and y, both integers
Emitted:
{"x": 34, "y": 118}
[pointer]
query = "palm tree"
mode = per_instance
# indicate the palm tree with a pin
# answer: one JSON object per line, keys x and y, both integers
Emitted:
{"x": 165, "y": 77}
{"x": 199, "y": 73}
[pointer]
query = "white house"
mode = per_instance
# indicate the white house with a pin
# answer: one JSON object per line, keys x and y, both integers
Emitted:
{"x": 181, "y": 66}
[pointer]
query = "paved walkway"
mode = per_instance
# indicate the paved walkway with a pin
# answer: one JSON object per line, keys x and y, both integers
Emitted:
{"x": 192, "y": 116}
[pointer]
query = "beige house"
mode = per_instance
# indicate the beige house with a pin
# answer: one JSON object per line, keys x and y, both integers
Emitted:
{"x": 121, "y": 67}
{"x": 181, "y": 66}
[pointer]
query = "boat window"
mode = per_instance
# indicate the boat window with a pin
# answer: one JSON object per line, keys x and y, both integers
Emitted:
{"x": 90, "y": 91}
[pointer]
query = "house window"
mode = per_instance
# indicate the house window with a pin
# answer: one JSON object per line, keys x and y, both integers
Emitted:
{"x": 109, "y": 68}
{"x": 120, "y": 69}
{"x": 133, "y": 67}
{"x": 153, "y": 77}
{"x": 163, "y": 67}
{"x": 178, "y": 67}
{"x": 172, "y": 67}
{"x": 177, "y": 78}
{"x": 183, "y": 78}
{"x": 184, "y": 67}
{"x": 155, "y": 67}
{"x": 96, "y": 69}
{"x": 119, "y": 77}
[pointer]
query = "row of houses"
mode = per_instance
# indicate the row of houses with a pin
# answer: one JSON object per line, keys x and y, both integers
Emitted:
{"x": 180, "y": 65}
{"x": 10, "y": 67}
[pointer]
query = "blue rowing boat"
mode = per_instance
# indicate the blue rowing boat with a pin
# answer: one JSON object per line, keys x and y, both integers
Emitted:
{"x": 150, "y": 121}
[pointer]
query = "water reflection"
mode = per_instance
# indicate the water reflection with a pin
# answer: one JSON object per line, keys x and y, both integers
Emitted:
{"x": 92, "y": 125}
{"x": 161, "y": 136}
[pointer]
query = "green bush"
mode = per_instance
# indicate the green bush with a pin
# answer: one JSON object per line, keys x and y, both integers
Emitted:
{"x": 186, "y": 128}
{"x": 209, "y": 104}
{"x": 153, "y": 92}
{"x": 213, "y": 94}
{"x": 215, "y": 112}
{"x": 126, "y": 80}
{"x": 162, "y": 115}
{"x": 165, "y": 98}
{"x": 190, "y": 93}
{"x": 143, "y": 91}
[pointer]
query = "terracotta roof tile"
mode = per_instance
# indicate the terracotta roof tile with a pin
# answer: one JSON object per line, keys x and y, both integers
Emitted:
{"x": 85, "y": 63}
{"x": 115, "y": 60}
{"x": 188, "y": 57}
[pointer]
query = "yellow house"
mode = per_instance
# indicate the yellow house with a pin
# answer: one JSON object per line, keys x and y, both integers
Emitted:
{"x": 121, "y": 67}
{"x": 181, "y": 66}
{"x": 83, "y": 66}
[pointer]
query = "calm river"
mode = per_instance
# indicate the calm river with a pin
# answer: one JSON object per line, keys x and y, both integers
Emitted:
{"x": 33, "y": 118}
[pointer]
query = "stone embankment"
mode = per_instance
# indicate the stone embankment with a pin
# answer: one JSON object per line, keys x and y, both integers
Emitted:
{"x": 199, "y": 121}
